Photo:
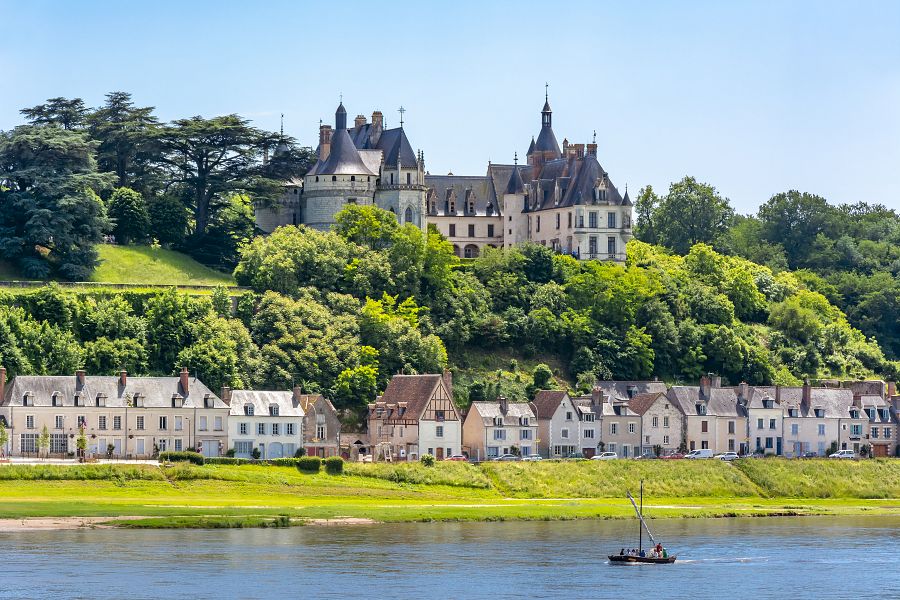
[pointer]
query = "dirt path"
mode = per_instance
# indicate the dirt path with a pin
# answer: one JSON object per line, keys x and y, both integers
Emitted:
{"x": 57, "y": 523}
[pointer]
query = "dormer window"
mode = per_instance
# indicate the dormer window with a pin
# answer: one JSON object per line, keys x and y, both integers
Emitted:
{"x": 489, "y": 209}
{"x": 100, "y": 400}
{"x": 139, "y": 400}
{"x": 177, "y": 401}
{"x": 56, "y": 399}
{"x": 792, "y": 412}
{"x": 589, "y": 417}
{"x": 701, "y": 409}
{"x": 273, "y": 410}
{"x": 820, "y": 413}
{"x": 768, "y": 403}
{"x": 79, "y": 399}
{"x": 854, "y": 414}
{"x": 498, "y": 421}
{"x": 248, "y": 410}
{"x": 28, "y": 399}
{"x": 471, "y": 207}
{"x": 208, "y": 401}
{"x": 523, "y": 421}
{"x": 885, "y": 415}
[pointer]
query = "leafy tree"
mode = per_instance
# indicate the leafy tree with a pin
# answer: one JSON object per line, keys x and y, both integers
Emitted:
{"x": 130, "y": 215}
{"x": 44, "y": 441}
{"x": 168, "y": 220}
{"x": 127, "y": 146}
{"x": 221, "y": 302}
{"x": 367, "y": 226}
{"x": 690, "y": 213}
{"x": 4, "y": 438}
{"x": 794, "y": 220}
{"x": 50, "y": 215}
{"x": 60, "y": 112}
{"x": 541, "y": 377}
{"x": 646, "y": 207}
{"x": 355, "y": 388}
{"x": 81, "y": 442}
{"x": 104, "y": 356}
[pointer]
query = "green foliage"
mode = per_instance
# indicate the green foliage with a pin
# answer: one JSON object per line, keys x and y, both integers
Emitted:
{"x": 542, "y": 377}
{"x": 168, "y": 220}
{"x": 692, "y": 212}
{"x": 308, "y": 464}
{"x": 427, "y": 460}
{"x": 334, "y": 465}
{"x": 131, "y": 219}
{"x": 186, "y": 456}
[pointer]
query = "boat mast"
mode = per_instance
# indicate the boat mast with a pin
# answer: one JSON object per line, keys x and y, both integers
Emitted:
{"x": 641, "y": 520}
{"x": 640, "y": 516}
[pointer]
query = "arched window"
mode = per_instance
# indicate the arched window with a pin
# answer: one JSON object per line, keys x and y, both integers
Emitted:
{"x": 455, "y": 250}
{"x": 408, "y": 215}
{"x": 470, "y": 251}
{"x": 248, "y": 410}
{"x": 317, "y": 179}
{"x": 273, "y": 410}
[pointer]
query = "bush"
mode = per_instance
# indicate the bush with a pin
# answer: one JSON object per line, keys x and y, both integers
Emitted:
{"x": 308, "y": 464}
{"x": 230, "y": 453}
{"x": 227, "y": 460}
{"x": 427, "y": 460}
{"x": 334, "y": 465}
{"x": 255, "y": 454}
{"x": 300, "y": 453}
{"x": 191, "y": 457}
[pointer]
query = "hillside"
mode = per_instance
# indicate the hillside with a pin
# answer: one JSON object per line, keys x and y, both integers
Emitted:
{"x": 153, "y": 266}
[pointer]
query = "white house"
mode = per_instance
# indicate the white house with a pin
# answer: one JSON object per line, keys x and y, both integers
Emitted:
{"x": 271, "y": 422}
{"x": 501, "y": 427}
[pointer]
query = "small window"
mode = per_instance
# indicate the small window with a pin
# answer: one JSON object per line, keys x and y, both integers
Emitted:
{"x": 334, "y": 178}
{"x": 248, "y": 410}
{"x": 452, "y": 230}
{"x": 273, "y": 410}
{"x": 472, "y": 230}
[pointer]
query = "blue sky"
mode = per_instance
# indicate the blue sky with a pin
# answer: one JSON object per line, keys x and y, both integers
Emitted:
{"x": 751, "y": 97}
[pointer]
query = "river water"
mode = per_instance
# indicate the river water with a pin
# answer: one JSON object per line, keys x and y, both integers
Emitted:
{"x": 787, "y": 557}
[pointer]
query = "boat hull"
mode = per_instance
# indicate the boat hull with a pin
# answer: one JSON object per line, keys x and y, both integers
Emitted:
{"x": 624, "y": 559}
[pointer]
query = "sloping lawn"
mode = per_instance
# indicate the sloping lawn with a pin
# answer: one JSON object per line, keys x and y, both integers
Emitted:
{"x": 153, "y": 266}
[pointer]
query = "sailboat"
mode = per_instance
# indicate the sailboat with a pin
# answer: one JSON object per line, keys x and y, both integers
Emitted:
{"x": 626, "y": 557}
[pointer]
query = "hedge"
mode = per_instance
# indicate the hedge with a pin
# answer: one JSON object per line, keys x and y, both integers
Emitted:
{"x": 227, "y": 460}
{"x": 334, "y": 465}
{"x": 309, "y": 464}
{"x": 191, "y": 457}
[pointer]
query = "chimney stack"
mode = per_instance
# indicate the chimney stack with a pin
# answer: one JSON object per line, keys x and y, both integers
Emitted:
{"x": 123, "y": 378}
{"x": 324, "y": 141}
{"x": 359, "y": 121}
{"x": 504, "y": 404}
{"x": 2, "y": 382}
{"x": 184, "y": 377}
{"x": 579, "y": 150}
{"x": 378, "y": 119}
{"x": 891, "y": 389}
{"x": 807, "y": 392}
{"x": 448, "y": 381}
{"x": 705, "y": 387}
{"x": 297, "y": 393}
{"x": 744, "y": 390}
{"x": 592, "y": 149}
{"x": 79, "y": 378}
{"x": 226, "y": 395}
{"x": 565, "y": 148}
{"x": 596, "y": 396}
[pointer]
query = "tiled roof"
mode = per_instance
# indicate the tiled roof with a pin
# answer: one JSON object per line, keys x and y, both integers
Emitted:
{"x": 547, "y": 401}
{"x": 412, "y": 390}
{"x": 641, "y": 403}
{"x": 488, "y": 411}
{"x": 155, "y": 391}
{"x": 261, "y": 400}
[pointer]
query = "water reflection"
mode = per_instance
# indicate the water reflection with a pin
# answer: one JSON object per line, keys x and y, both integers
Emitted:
{"x": 761, "y": 558}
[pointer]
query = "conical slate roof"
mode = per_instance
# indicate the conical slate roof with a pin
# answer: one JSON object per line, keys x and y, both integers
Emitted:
{"x": 343, "y": 158}
{"x": 546, "y": 142}
{"x": 515, "y": 185}
{"x": 626, "y": 201}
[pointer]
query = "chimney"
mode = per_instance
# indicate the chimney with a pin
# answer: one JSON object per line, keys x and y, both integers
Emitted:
{"x": 778, "y": 394}
{"x": 324, "y": 141}
{"x": 565, "y": 147}
{"x": 184, "y": 378}
{"x": 226, "y": 395}
{"x": 592, "y": 149}
{"x": 123, "y": 378}
{"x": 596, "y": 396}
{"x": 891, "y": 389}
{"x": 743, "y": 390}
{"x": 378, "y": 119}
{"x": 448, "y": 381}
{"x": 359, "y": 121}
{"x": 807, "y": 392}
{"x": 579, "y": 150}
{"x": 504, "y": 404}
{"x": 2, "y": 382}
{"x": 705, "y": 386}
{"x": 79, "y": 378}
{"x": 297, "y": 393}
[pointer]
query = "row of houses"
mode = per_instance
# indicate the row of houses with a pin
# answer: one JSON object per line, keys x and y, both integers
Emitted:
{"x": 138, "y": 417}
{"x": 416, "y": 415}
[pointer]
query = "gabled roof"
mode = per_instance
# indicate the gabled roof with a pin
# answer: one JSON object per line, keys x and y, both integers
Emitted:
{"x": 308, "y": 403}
{"x": 479, "y": 185}
{"x": 489, "y": 411}
{"x": 722, "y": 402}
{"x": 413, "y": 391}
{"x": 623, "y": 390}
{"x": 547, "y": 401}
{"x": 396, "y": 146}
{"x": 262, "y": 400}
{"x": 641, "y": 403}
{"x": 154, "y": 391}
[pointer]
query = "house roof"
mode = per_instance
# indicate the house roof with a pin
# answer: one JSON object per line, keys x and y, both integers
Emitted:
{"x": 460, "y": 188}
{"x": 155, "y": 391}
{"x": 623, "y": 390}
{"x": 641, "y": 403}
{"x": 547, "y": 401}
{"x": 489, "y": 411}
{"x": 262, "y": 400}
{"x": 722, "y": 402}
{"x": 412, "y": 391}
{"x": 308, "y": 402}
{"x": 515, "y": 184}
{"x": 396, "y": 147}
{"x": 343, "y": 158}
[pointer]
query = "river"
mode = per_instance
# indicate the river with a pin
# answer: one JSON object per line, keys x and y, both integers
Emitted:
{"x": 790, "y": 557}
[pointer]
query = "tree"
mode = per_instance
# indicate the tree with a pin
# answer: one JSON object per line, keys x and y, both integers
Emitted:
{"x": 50, "y": 216}
{"x": 541, "y": 377}
{"x": 60, "y": 112}
{"x": 4, "y": 438}
{"x": 691, "y": 212}
{"x": 127, "y": 141}
{"x": 168, "y": 220}
{"x": 645, "y": 208}
{"x": 44, "y": 441}
{"x": 211, "y": 159}
{"x": 367, "y": 226}
{"x": 355, "y": 388}
{"x": 794, "y": 220}
{"x": 81, "y": 442}
{"x": 130, "y": 216}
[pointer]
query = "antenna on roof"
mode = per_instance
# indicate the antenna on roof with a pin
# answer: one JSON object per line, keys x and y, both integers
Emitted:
{"x": 595, "y": 136}
{"x": 515, "y": 158}
{"x": 282, "y": 124}
{"x": 546, "y": 91}
{"x": 401, "y": 110}
{"x": 341, "y": 96}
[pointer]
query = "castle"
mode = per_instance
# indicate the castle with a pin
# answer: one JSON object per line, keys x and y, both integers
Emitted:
{"x": 562, "y": 198}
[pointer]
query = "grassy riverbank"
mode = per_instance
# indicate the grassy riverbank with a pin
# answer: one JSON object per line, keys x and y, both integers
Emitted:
{"x": 252, "y": 496}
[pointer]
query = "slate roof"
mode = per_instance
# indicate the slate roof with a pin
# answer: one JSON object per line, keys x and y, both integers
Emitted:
{"x": 619, "y": 390}
{"x": 307, "y": 402}
{"x": 575, "y": 179}
{"x": 515, "y": 185}
{"x": 261, "y": 400}
{"x": 488, "y": 411}
{"x": 157, "y": 392}
{"x": 395, "y": 145}
{"x": 411, "y": 391}
{"x": 721, "y": 403}
{"x": 641, "y": 403}
{"x": 480, "y": 187}
{"x": 343, "y": 158}
{"x": 547, "y": 401}
{"x": 756, "y": 395}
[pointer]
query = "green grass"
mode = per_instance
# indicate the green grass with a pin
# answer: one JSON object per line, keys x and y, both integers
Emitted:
{"x": 187, "y": 495}
{"x": 153, "y": 266}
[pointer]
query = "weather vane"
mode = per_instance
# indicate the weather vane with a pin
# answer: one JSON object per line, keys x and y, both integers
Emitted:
{"x": 401, "y": 110}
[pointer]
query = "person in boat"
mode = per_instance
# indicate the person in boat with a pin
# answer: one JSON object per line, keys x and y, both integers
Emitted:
{"x": 622, "y": 552}
{"x": 643, "y": 554}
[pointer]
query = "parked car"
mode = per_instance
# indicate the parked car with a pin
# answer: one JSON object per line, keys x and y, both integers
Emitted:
{"x": 809, "y": 454}
{"x": 574, "y": 455}
{"x": 728, "y": 456}
{"x": 508, "y": 457}
{"x": 843, "y": 454}
{"x": 605, "y": 456}
{"x": 704, "y": 453}
{"x": 457, "y": 458}
{"x": 673, "y": 456}
{"x": 646, "y": 456}
{"x": 533, "y": 458}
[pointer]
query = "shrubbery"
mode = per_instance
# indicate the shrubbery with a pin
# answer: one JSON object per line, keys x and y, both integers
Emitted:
{"x": 308, "y": 464}
{"x": 186, "y": 456}
{"x": 427, "y": 460}
{"x": 227, "y": 460}
{"x": 334, "y": 465}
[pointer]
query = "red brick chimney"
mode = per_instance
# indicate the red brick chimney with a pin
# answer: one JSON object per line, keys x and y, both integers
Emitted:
{"x": 705, "y": 386}
{"x": 123, "y": 378}
{"x": 891, "y": 389}
{"x": 184, "y": 380}
{"x": 297, "y": 393}
{"x": 2, "y": 382}
{"x": 592, "y": 149}
{"x": 324, "y": 141}
{"x": 378, "y": 119}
